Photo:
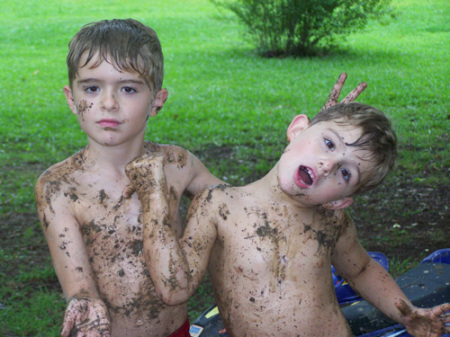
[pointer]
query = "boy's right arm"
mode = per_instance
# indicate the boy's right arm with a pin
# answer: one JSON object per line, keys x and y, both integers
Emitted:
{"x": 176, "y": 266}
{"x": 86, "y": 314}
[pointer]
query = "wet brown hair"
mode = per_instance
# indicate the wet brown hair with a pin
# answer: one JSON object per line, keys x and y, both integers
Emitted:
{"x": 127, "y": 44}
{"x": 378, "y": 137}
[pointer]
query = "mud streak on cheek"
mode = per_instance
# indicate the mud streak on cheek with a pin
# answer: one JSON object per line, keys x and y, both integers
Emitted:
{"x": 83, "y": 107}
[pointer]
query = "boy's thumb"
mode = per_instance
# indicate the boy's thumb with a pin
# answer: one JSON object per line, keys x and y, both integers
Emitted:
{"x": 128, "y": 191}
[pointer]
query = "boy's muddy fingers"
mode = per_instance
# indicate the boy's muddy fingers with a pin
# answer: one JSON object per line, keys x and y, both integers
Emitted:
{"x": 147, "y": 175}
{"x": 75, "y": 313}
{"x": 144, "y": 168}
{"x": 142, "y": 164}
{"x": 335, "y": 92}
{"x": 94, "y": 320}
{"x": 67, "y": 327}
{"x": 94, "y": 329}
{"x": 355, "y": 93}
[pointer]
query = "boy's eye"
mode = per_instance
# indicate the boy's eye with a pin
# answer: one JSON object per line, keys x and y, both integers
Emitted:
{"x": 329, "y": 144}
{"x": 91, "y": 89}
{"x": 129, "y": 90}
{"x": 346, "y": 174}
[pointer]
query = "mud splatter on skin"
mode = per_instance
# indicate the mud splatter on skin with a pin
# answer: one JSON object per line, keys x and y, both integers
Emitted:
{"x": 91, "y": 231}
{"x": 117, "y": 206}
{"x": 221, "y": 187}
{"x": 179, "y": 158}
{"x": 147, "y": 301}
{"x": 78, "y": 159}
{"x": 102, "y": 197}
{"x": 333, "y": 226}
{"x": 51, "y": 188}
{"x": 112, "y": 232}
{"x": 266, "y": 230}
{"x": 45, "y": 222}
{"x": 136, "y": 247}
{"x": 223, "y": 211}
{"x": 279, "y": 261}
{"x": 80, "y": 306}
{"x": 72, "y": 194}
{"x": 150, "y": 147}
{"x": 324, "y": 239}
{"x": 83, "y": 107}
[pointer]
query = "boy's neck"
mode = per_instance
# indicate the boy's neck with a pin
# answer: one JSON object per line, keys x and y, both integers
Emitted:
{"x": 110, "y": 158}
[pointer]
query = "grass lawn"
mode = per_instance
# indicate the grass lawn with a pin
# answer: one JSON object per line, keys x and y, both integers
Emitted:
{"x": 225, "y": 104}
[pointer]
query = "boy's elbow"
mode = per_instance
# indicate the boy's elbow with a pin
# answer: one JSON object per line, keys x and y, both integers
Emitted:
{"x": 170, "y": 293}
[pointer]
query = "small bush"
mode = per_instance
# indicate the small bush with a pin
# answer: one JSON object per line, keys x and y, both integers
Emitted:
{"x": 302, "y": 27}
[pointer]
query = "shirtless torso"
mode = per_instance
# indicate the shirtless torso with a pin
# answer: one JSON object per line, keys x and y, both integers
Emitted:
{"x": 270, "y": 266}
{"x": 95, "y": 236}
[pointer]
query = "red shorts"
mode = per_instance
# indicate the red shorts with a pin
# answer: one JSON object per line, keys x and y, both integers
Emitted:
{"x": 183, "y": 331}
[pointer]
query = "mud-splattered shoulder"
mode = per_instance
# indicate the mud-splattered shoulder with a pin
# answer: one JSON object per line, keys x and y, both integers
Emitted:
{"x": 339, "y": 220}
{"x": 174, "y": 155}
{"x": 51, "y": 182}
{"x": 210, "y": 198}
{"x": 221, "y": 191}
{"x": 152, "y": 148}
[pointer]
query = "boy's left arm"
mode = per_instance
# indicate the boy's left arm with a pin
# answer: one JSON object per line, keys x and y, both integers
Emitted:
{"x": 374, "y": 284}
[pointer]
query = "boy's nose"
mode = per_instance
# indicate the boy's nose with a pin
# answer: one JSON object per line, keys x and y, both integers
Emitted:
{"x": 327, "y": 166}
{"x": 109, "y": 101}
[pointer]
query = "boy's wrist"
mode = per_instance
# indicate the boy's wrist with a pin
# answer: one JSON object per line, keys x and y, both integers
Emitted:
{"x": 83, "y": 295}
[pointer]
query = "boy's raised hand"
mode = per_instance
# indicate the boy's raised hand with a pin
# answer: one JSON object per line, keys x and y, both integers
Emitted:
{"x": 86, "y": 318}
{"x": 419, "y": 322}
{"x": 336, "y": 91}
{"x": 146, "y": 173}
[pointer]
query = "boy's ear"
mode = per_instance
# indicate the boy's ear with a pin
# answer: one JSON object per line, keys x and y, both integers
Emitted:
{"x": 298, "y": 124}
{"x": 158, "y": 101}
{"x": 70, "y": 100}
{"x": 339, "y": 204}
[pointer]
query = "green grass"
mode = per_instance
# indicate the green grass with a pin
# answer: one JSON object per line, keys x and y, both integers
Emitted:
{"x": 221, "y": 96}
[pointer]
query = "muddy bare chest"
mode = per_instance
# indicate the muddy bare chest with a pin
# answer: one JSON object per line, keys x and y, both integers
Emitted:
{"x": 276, "y": 244}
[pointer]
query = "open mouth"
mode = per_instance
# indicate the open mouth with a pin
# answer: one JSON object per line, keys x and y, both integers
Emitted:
{"x": 305, "y": 175}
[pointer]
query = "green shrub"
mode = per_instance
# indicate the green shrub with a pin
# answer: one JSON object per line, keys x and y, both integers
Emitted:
{"x": 302, "y": 27}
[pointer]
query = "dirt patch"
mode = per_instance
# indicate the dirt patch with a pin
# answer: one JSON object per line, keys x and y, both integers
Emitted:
{"x": 404, "y": 219}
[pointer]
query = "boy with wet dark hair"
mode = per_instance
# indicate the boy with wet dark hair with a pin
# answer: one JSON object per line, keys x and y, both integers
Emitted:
{"x": 268, "y": 246}
{"x": 94, "y": 233}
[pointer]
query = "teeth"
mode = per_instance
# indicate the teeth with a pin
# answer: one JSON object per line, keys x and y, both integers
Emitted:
{"x": 306, "y": 175}
{"x": 310, "y": 174}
